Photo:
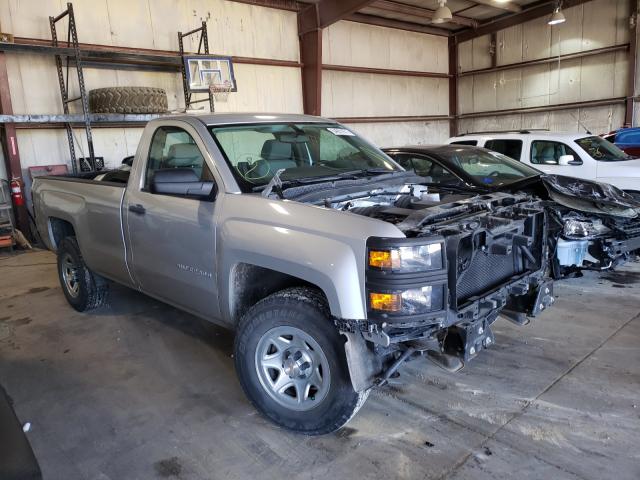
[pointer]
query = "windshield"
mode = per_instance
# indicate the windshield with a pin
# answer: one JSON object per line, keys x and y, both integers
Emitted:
{"x": 602, "y": 150}
{"x": 488, "y": 168}
{"x": 307, "y": 153}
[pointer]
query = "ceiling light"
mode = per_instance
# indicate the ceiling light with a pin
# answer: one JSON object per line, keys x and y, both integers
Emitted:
{"x": 442, "y": 14}
{"x": 557, "y": 17}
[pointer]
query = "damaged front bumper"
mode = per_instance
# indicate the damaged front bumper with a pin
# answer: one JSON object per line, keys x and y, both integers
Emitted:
{"x": 377, "y": 349}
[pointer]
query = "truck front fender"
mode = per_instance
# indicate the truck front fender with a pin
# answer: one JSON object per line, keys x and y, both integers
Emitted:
{"x": 331, "y": 265}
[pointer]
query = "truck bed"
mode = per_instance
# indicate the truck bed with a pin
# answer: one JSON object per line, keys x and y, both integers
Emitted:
{"x": 95, "y": 208}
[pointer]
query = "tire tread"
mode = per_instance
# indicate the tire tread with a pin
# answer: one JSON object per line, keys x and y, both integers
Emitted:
{"x": 290, "y": 297}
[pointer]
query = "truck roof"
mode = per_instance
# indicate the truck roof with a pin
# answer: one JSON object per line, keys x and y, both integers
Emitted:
{"x": 212, "y": 119}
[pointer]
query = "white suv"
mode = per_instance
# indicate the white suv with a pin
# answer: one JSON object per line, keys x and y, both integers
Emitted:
{"x": 572, "y": 154}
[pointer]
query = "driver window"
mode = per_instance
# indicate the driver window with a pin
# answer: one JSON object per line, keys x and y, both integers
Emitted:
{"x": 173, "y": 147}
{"x": 548, "y": 153}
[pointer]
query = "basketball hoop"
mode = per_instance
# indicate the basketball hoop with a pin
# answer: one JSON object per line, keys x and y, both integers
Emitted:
{"x": 220, "y": 91}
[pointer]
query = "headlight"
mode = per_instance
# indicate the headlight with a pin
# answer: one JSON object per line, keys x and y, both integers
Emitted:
{"x": 415, "y": 301}
{"x": 407, "y": 259}
{"x": 583, "y": 228}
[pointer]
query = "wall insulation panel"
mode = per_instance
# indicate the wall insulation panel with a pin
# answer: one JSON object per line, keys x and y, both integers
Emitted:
{"x": 361, "y": 45}
{"x": 346, "y": 94}
{"x": 595, "y": 119}
{"x": 349, "y": 94}
{"x": 592, "y": 25}
{"x": 233, "y": 28}
{"x": 388, "y": 134}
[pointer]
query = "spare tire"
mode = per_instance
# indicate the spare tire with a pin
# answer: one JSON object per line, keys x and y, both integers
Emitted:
{"x": 128, "y": 100}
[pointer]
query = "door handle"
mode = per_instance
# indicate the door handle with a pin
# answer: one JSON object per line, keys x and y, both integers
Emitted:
{"x": 139, "y": 209}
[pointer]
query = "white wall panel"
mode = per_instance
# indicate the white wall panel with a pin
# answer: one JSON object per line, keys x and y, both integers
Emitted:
{"x": 568, "y": 37}
{"x": 347, "y": 94}
{"x": 564, "y": 81}
{"x": 403, "y": 133}
{"x": 49, "y": 146}
{"x": 509, "y": 45}
{"x": 596, "y": 24}
{"x": 595, "y": 119}
{"x": 536, "y": 39}
{"x": 465, "y": 94}
{"x": 233, "y": 28}
{"x": 360, "y": 45}
{"x": 261, "y": 87}
{"x": 509, "y": 89}
{"x": 601, "y": 21}
{"x": 484, "y": 92}
{"x": 475, "y": 54}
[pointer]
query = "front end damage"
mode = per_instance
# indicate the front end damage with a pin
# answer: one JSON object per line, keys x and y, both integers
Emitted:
{"x": 437, "y": 292}
{"x": 595, "y": 226}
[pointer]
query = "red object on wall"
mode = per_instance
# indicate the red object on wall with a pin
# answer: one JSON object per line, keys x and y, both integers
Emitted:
{"x": 17, "y": 194}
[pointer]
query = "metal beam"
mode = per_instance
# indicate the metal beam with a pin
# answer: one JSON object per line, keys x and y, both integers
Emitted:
{"x": 542, "y": 61}
{"x": 453, "y": 86}
{"x": 516, "y": 19}
{"x": 633, "y": 62}
{"x": 384, "y": 71}
{"x": 123, "y": 57}
{"x": 398, "y": 24}
{"x": 392, "y": 119}
{"x": 327, "y": 12}
{"x": 506, "y": 6}
{"x": 419, "y": 12}
{"x": 311, "y": 56}
{"x": 10, "y": 143}
{"x": 546, "y": 108}
{"x": 290, "y": 5}
{"x": 104, "y": 118}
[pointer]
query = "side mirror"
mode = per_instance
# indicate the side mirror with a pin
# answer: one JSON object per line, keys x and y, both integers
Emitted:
{"x": 182, "y": 181}
{"x": 569, "y": 160}
{"x": 128, "y": 160}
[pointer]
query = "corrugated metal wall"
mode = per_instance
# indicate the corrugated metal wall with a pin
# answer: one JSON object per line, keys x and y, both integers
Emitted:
{"x": 234, "y": 29}
{"x": 593, "y": 25}
{"x": 354, "y": 94}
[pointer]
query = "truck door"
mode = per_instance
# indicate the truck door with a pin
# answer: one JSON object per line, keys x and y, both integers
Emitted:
{"x": 545, "y": 155}
{"x": 171, "y": 238}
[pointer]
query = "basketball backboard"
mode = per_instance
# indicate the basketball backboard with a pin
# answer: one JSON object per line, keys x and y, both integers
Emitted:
{"x": 205, "y": 71}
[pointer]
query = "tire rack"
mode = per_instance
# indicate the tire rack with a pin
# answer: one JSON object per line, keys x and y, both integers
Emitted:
{"x": 72, "y": 39}
{"x": 203, "y": 48}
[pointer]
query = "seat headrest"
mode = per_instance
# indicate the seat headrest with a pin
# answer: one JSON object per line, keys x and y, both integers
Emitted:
{"x": 276, "y": 150}
{"x": 180, "y": 151}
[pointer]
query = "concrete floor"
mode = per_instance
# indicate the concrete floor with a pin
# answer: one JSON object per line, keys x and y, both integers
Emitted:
{"x": 140, "y": 390}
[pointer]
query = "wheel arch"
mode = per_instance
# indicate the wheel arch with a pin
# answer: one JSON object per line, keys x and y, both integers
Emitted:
{"x": 58, "y": 229}
{"x": 248, "y": 283}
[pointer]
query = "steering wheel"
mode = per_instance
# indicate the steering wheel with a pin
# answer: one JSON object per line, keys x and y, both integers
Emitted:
{"x": 495, "y": 173}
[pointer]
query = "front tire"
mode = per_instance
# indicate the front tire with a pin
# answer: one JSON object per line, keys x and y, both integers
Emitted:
{"x": 291, "y": 363}
{"x": 83, "y": 289}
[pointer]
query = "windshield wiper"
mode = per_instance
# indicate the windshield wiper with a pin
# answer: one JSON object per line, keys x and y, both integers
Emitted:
{"x": 368, "y": 171}
{"x": 279, "y": 183}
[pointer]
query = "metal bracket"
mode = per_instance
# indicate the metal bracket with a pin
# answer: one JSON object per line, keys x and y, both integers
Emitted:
{"x": 203, "y": 47}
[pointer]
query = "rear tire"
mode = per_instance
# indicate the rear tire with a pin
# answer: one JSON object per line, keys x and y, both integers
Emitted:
{"x": 83, "y": 289}
{"x": 291, "y": 363}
